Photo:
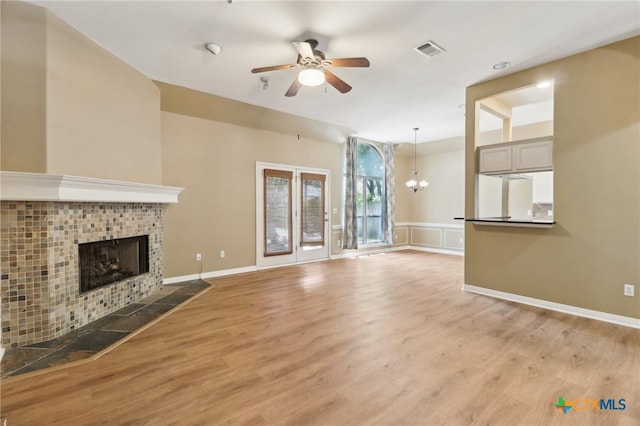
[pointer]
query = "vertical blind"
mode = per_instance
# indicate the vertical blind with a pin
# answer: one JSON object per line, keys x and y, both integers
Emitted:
{"x": 312, "y": 209}
{"x": 278, "y": 236}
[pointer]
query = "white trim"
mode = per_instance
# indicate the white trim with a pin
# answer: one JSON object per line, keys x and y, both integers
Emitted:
{"x": 431, "y": 225}
{"x": 225, "y": 272}
{"x": 299, "y": 262}
{"x": 448, "y": 232}
{"x": 350, "y": 253}
{"x": 553, "y": 306}
{"x": 364, "y": 252}
{"x": 180, "y": 279}
{"x": 415, "y": 228}
{"x": 435, "y": 250}
{"x": 298, "y": 255}
{"x": 19, "y": 186}
{"x": 211, "y": 274}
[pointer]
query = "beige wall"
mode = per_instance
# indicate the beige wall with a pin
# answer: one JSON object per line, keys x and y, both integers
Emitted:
{"x": 23, "y": 64}
{"x": 404, "y": 166}
{"x": 594, "y": 248}
{"x": 199, "y": 104}
{"x": 443, "y": 199}
{"x": 441, "y": 163}
{"x": 215, "y": 162}
{"x": 70, "y": 107}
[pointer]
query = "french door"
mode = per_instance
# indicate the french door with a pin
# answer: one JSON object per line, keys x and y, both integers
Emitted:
{"x": 292, "y": 218}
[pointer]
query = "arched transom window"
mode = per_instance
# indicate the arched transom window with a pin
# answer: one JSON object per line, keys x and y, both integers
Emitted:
{"x": 370, "y": 194}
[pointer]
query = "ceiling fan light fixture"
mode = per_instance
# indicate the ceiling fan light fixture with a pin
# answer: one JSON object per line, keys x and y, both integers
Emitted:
{"x": 311, "y": 77}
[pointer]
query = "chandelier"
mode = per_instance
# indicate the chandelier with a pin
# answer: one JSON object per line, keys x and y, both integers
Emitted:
{"x": 413, "y": 183}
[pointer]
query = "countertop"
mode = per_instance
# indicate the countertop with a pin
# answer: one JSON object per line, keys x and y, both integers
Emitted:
{"x": 508, "y": 221}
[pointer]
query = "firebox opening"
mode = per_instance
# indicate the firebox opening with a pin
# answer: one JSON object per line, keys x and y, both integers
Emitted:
{"x": 106, "y": 262}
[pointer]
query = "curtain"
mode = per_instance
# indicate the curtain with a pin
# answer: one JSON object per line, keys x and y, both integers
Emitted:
{"x": 388, "y": 207}
{"x": 350, "y": 231}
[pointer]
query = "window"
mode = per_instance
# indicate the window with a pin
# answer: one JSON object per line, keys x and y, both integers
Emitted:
{"x": 370, "y": 193}
{"x": 277, "y": 212}
{"x": 312, "y": 210}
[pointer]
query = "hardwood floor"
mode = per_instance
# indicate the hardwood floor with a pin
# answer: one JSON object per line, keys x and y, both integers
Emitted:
{"x": 385, "y": 339}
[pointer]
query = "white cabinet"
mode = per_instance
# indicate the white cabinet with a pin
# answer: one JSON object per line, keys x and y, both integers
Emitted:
{"x": 495, "y": 160}
{"x": 531, "y": 155}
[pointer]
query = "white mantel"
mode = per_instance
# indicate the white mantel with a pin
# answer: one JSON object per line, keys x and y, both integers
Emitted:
{"x": 19, "y": 186}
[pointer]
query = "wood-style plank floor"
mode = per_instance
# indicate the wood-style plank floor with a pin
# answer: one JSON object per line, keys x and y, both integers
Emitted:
{"x": 385, "y": 339}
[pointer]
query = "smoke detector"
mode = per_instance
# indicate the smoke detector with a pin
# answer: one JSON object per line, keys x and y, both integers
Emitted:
{"x": 213, "y": 48}
{"x": 429, "y": 49}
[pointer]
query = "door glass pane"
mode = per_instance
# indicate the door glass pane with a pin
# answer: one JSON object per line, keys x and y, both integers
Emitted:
{"x": 277, "y": 212}
{"x": 313, "y": 213}
{"x": 374, "y": 229}
{"x": 360, "y": 206}
{"x": 374, "y": 210}
{"x": 360, "y": 229}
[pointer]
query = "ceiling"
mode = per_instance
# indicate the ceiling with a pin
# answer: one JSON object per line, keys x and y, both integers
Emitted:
{"x": 401, "y": 90}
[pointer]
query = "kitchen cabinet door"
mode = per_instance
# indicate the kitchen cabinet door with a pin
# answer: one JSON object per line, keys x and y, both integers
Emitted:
{"x": 533, "y": 156}
{"x": 495, "y": 159}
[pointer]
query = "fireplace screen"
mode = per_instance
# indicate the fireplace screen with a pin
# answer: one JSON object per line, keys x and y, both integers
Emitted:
{"x": 106, "y": 262}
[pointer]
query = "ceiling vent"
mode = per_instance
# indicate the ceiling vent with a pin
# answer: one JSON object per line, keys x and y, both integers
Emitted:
{"x": 429, "y": 49}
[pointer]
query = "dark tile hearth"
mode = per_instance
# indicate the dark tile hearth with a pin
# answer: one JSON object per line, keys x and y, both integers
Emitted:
{"x": 94, "y": 337}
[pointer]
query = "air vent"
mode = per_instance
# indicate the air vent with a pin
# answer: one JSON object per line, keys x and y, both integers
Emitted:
{"x": 429, "y": 49}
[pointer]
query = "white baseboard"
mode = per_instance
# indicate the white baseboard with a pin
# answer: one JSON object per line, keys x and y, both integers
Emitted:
{"x": 357, "y": 253}
{"x": 181, "y": 279}
{"x": 435, "y": 250}
{"x": 559, "y": 307}
{"x": 211, "y": 274}
{"x": 350, "y": 253}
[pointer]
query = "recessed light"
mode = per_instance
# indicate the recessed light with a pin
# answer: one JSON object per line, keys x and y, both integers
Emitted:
{"x": 543, "y": 84}
{"x": 501, "y": 65}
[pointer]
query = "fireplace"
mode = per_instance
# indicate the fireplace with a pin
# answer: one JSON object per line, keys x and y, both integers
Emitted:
{"x": 46, "y": 222}
{"x": 106, "y": 262}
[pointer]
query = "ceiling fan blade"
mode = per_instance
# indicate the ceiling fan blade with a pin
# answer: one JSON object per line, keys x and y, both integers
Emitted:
{"x": 293, "y": 89}
{"x": 272, "y": 68}
{"x": 350, "y": 62}
{"x": 336, "y": 82}
{"x": 304, "y": 49}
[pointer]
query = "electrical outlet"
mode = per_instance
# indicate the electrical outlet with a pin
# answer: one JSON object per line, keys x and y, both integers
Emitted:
{"x": 221, "y": 253}
{"x": 629, "y": 290}
{"x": 198, "y": 257}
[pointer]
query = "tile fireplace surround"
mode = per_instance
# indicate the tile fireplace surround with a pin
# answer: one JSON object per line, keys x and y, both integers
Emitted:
{"x": 43, "y": 218}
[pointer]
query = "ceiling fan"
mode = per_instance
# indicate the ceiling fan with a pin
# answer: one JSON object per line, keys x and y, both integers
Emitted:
{"x": 313, "y": 66}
